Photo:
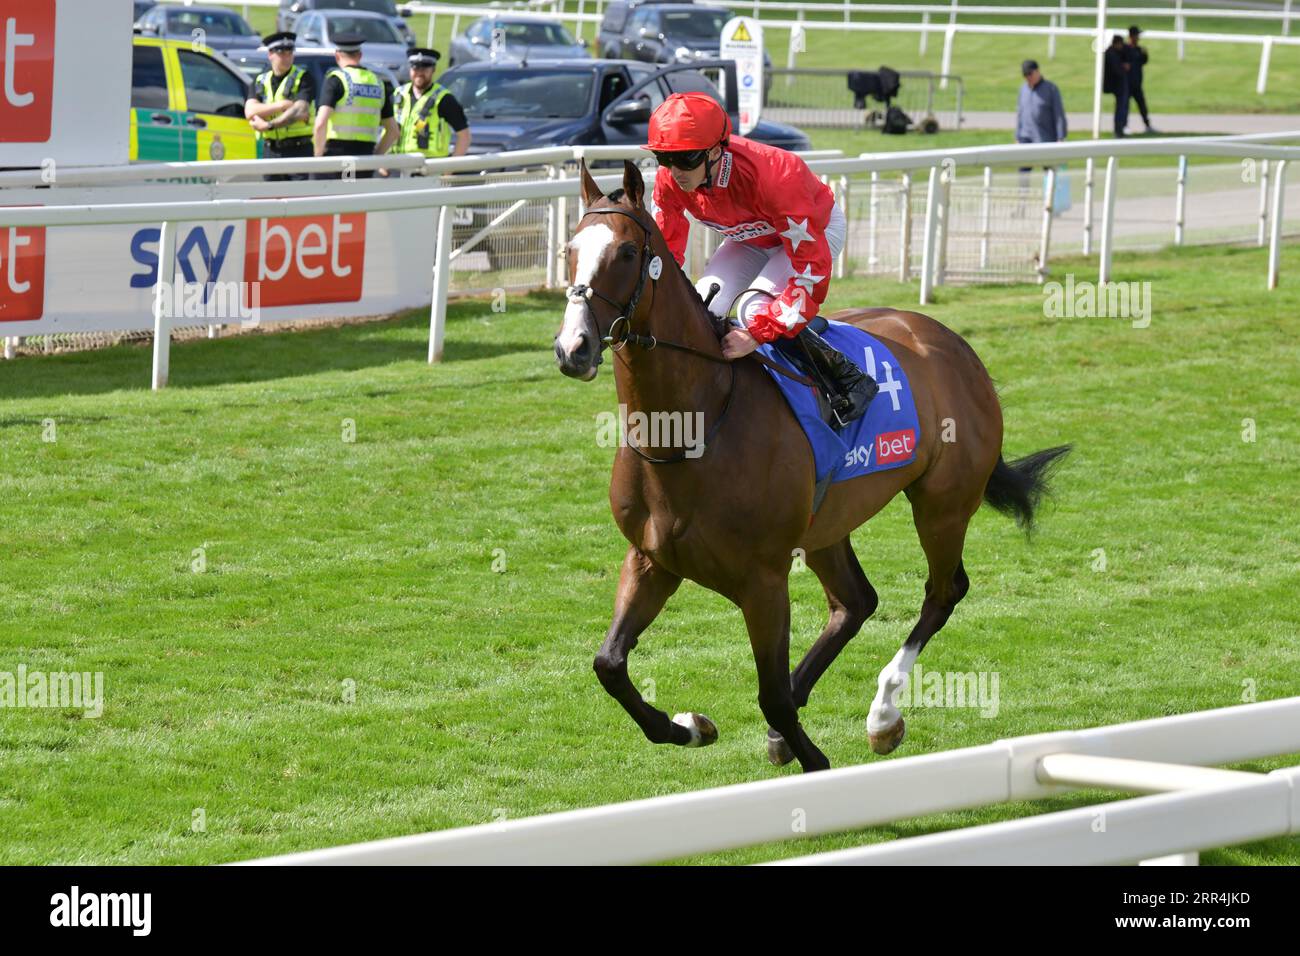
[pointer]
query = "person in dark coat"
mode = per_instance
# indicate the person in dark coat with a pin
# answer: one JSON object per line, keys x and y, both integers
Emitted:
{"x": 1137, "y": 58}
{"x": 1116, "y": 81}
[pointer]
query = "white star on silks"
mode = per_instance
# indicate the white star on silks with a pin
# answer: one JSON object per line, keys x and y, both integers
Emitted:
{"x": 806, "y": 278}
{"x": 797, "y": 233}
{"x": 790, "y": 314}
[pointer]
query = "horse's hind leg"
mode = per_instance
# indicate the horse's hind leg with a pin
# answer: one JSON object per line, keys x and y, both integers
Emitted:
{"x": 941, "y": 524}
{"x": 643, "y": 589}
{"x": 852, "y": 600}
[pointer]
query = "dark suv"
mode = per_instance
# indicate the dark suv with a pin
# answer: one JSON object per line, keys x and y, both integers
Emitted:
{"x": 666, "y": 32}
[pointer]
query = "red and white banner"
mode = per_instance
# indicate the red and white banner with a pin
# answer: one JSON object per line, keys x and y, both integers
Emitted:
{"x": 79, "y": 114}
{"x": 102, "y": 278}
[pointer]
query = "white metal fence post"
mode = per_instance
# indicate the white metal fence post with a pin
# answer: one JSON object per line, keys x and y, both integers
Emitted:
{"x": 1049, "y": 209}
{"x": 10, "y": 346}
{"x": 842, "y": 260}
{"x": 873, "y": 222}
{"x": 1180, "y": 24}
{"x": 1275, "y": 233}
{"x": 552, "y": 232}
{"x": 1262, "y": 232}
{"x": 1051, "y": 37}
{"x": 163, "y": 297}
{"x": 432, "y": 17}
{"x": 932, "y": 192}
{"x": 561, "y": 230}
{"x": 441, "y": 283}
{"x": 1107, "y": 221}
{"x": 905, "y": 229}
{"x": 925, "y": 34}
{"x": 945, "y": 67}
{"x": 1088, "y": 177}
{"x": 1286, "y": 18}
{"x": 1265, "y": 54}
{"x": 941, "y": 259}
{"x": 986, "y": 209}
{"x": 1180, "y": 201}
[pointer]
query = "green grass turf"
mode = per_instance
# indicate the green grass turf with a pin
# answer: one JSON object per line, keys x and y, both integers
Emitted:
{"x": 1214, "y": 77}
{"x": 369, "y": 565}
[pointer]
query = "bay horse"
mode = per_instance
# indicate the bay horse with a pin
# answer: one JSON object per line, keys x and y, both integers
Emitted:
{"x": 732, "y": 517}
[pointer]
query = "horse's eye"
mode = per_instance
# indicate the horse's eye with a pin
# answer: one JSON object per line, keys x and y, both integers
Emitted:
{"x": 629, "y": 252}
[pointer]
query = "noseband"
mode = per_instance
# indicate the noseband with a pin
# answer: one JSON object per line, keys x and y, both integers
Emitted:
{"x": 620, "y": 330}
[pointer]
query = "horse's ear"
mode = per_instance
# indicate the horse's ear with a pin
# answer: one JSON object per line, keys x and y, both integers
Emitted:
{"x": 590, "y": 191}
{"x": 633, "y": 184}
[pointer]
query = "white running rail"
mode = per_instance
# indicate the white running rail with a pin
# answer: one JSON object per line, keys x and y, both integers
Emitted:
{"x": 1194, "y": 808}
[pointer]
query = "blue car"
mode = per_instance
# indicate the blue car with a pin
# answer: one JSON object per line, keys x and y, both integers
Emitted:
{"x": 583, "y": 102}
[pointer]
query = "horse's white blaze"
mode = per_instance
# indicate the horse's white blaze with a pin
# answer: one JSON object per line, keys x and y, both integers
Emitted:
{"x": 884, "y": 711}
{"x": 590, "y": 244}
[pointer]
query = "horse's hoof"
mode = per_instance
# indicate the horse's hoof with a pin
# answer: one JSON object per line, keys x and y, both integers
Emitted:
{"x": 778, "y": 751}
{"x": 703, "y": 731}
{"x": 887, "y": 740}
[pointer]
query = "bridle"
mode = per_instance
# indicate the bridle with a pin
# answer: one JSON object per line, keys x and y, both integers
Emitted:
{"x": 621, "y": 334}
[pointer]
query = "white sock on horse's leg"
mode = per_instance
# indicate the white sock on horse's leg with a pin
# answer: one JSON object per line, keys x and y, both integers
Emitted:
{"x": 884, "y": 709}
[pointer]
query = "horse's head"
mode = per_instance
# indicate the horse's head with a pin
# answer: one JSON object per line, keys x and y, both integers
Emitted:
{"x": 609, "y": 260}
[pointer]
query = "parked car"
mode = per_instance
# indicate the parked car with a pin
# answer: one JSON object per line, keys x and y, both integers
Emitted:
{"x": 520, "y": 36}
{"x": 585, "y": 102}
{"x": 218, "y": 28}
{"x": 384, "y": 45}
{"x": 141, "y": 7}
{"x": 287, "y": 16}
{"x": 576, "y": 102}
{"x": 187, "y": 103}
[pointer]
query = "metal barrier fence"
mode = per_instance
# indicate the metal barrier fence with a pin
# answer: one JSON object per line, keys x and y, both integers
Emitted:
{"x": 1193, "y": 807}
{"x": 959, "y": 229}
{"x": 822, "y": 98}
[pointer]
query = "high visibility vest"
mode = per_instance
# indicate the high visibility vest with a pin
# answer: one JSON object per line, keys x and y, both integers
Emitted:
{"x": 356, "y": 115}
{"x": 423, "y": 130}
{"x": 290, "y": 83}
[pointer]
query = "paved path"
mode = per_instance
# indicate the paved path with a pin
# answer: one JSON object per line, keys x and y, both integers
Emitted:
{"x": 1164, "y": 122}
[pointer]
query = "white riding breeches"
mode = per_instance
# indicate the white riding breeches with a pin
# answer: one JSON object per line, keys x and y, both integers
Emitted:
{"x": 738, "y": 266}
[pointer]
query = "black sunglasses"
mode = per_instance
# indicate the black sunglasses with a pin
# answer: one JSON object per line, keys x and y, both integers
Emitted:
{"x": 687, "y": 159}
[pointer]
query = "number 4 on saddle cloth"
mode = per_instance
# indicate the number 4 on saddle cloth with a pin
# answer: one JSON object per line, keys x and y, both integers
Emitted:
{"x": 885, "y": 437}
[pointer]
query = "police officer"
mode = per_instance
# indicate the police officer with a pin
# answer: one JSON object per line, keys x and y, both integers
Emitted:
{"x": 427, "y": 113}
{"x": 280, "y": 108}
{"x": 355, "y": 112}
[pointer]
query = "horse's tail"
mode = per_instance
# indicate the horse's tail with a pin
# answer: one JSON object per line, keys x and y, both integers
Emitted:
{"x": 1016, "y": 489}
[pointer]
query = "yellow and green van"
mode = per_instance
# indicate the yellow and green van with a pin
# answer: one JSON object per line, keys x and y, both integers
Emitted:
{"x": 187, "y": 103}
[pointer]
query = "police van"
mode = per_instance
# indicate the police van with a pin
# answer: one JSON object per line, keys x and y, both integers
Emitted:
{"x": 187, "y": 103}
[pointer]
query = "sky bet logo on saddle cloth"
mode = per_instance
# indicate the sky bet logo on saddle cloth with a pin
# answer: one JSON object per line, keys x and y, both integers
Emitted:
{"x": 885, "y": 437}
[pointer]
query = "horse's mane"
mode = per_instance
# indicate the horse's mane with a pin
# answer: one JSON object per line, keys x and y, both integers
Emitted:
{"x": 617, "y": 196}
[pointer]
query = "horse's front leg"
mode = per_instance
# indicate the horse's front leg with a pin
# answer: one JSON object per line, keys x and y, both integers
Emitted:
{"x": 766, "y": 607}
{"x": 643, "y": 589}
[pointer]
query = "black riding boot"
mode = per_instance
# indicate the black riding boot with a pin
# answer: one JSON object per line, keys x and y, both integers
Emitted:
{"x": 850, "y": 389}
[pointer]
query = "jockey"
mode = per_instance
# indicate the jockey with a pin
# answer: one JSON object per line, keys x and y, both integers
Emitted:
{"x": 782, "y": 228}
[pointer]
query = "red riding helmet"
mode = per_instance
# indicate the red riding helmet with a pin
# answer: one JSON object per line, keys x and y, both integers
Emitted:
{"x": 688, "y": 121}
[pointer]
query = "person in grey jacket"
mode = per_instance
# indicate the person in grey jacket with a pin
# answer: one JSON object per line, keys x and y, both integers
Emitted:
{"x": 1040, "y": 114}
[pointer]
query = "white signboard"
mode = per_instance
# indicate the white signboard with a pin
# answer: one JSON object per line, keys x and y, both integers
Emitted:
{"x": 101, "y": 278}
{"x": 75, "y": 115}
{"x": 742, "y": 41}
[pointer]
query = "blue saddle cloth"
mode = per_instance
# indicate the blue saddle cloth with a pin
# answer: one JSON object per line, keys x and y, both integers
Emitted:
{"x": 885, "y": 437}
